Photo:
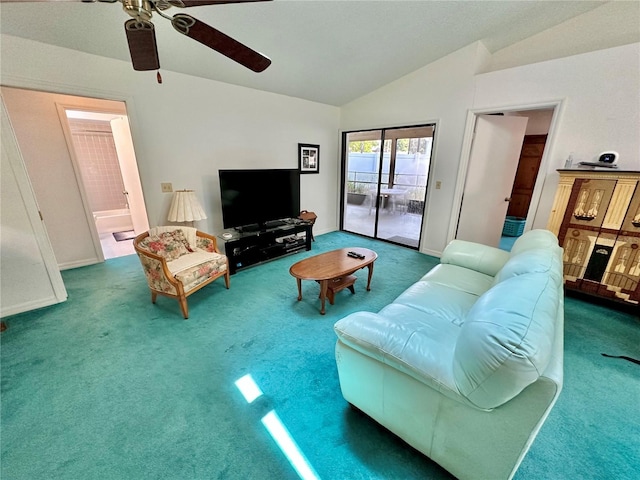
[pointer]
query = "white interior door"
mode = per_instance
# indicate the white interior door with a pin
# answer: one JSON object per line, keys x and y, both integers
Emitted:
{"x": 493, "y": 162}
{"x": 130, "y": 175}
{"x": 29, "y": 273}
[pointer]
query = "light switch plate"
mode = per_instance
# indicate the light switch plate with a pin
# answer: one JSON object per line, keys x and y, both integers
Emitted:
{"x": 166, "y": 187}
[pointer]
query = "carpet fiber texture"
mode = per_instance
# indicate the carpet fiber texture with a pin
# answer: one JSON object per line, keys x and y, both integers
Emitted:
{"x": 109, "y": 386}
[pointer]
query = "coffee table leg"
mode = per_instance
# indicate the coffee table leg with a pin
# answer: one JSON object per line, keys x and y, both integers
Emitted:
{"x": 370, "y": 275}
{"x": 323, "y": 294}
{"x": 299, "y": 288}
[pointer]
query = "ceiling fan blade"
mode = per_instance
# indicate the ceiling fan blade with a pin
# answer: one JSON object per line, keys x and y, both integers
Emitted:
{"x": 197, "y": 3}
{"x": 218, "y": 41}
{"x": 142, "y": 45}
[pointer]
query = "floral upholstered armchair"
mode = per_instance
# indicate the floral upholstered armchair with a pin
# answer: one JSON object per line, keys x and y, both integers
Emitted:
{"x": 178, "y": 261}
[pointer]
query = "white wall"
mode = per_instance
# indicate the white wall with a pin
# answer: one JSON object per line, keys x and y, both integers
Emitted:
{"x": 187, "y": 128}
{"x": 440, "y": 92}
{"x": 601, "y": 111}
{"x": 34, "y": 117}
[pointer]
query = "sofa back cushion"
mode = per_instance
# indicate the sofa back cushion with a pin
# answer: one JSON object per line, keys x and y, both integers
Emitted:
{"x": 507, "y": 339}
{"x": 547, "y": 260}
{"x": 534, "y": 239}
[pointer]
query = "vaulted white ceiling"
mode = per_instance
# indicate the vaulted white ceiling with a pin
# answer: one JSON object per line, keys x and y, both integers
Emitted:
{"x": 326, "y": 51}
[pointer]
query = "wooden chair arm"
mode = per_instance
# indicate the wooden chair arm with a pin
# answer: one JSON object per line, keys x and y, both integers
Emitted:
{"x": 210, "y": 238}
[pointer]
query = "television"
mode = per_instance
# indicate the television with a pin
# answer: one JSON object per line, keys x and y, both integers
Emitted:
{"x": 259, "y": 199}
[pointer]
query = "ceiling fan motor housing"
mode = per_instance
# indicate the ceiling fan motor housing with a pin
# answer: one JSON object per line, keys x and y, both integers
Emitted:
{"x": 138, "y": 9}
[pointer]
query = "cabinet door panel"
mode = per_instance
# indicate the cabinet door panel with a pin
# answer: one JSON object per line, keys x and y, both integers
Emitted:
{"x": 631, "y": 223}
{"x": 591, "y": 202}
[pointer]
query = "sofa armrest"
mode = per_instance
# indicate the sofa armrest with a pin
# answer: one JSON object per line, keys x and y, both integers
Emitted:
{"x": 475, "y": 256}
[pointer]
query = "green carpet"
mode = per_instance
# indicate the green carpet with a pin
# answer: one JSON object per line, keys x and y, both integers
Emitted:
{"x": 110, "y": 386}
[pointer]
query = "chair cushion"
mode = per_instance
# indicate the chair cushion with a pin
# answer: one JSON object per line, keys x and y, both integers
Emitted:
{"x": 169, "y": 245}
{"x": 197, "y": 267}
{"x": 190, "y": 233}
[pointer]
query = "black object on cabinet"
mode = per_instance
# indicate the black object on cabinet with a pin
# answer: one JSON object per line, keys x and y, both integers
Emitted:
{"x": 246, "y": 249}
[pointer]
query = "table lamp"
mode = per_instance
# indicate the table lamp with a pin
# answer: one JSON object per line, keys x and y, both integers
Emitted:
{"x": 185, "y": 207}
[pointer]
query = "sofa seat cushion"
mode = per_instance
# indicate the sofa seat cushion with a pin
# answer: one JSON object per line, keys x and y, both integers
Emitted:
{"x": 459, "y": 278}
{"x": 507, "y": 339}
{"x": 414, "y": 342}
{"x": 197, "y": 267}
{"x": 436, "y": 300}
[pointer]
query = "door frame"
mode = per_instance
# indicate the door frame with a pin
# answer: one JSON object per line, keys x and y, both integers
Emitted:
{"x": 467, "y": 143}
{"x": 62, "y": 108}
{"x": 66, "y": 131}
{"x": 343, "y": 145}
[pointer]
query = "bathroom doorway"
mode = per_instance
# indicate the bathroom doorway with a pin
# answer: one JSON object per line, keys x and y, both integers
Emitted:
{"x": 102, "y": 148}
{"x": 45, "y": 142}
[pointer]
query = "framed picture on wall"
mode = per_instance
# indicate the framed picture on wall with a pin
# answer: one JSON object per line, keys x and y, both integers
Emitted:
{"x": 308, "y": 158}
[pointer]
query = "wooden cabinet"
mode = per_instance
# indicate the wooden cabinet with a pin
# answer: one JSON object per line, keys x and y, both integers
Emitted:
{"x": 596, "y": 216}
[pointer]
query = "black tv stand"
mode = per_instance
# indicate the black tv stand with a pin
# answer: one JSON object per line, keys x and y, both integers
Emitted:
{"x": 262, "y": 227}
{"x": 275, "y": 223}
{"x": 248, "y": 247}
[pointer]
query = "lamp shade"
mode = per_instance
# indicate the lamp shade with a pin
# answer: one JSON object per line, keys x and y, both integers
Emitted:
{"x": 185, "y": 207}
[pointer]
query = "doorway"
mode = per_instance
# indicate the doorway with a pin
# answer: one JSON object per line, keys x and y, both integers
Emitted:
{"x": 45, "y": 141}
{"x": 101, "y": 145}
{"x": 384, "y": 182}
{"x": 501, "y": 180}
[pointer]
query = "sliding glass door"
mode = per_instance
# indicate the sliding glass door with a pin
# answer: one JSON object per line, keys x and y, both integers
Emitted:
{"x": 385, "y": 175}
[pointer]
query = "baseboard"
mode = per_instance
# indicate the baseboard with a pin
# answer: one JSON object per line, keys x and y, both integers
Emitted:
{"x": 605, "y": 302}
{"x": 78, "y": 263}
{"x": 28, "y": 306}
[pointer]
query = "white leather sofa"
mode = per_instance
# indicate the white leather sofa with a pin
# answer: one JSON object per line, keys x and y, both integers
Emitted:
{"x": 466, "y": 364}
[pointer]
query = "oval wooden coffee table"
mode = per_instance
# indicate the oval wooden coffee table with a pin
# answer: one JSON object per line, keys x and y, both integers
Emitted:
{"x": 329, "y": 266}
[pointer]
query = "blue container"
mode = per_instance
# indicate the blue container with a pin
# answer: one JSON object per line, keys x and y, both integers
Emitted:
{"x": 513, "y": 226}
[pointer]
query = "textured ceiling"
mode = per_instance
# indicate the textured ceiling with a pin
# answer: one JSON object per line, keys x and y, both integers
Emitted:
{"x": 326, "y": 51}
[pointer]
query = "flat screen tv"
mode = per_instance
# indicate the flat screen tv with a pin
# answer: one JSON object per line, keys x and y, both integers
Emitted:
{"x": 253, "y": 199}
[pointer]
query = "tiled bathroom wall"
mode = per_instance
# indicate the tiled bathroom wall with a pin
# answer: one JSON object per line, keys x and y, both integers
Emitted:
{"x": 98, "y": 161}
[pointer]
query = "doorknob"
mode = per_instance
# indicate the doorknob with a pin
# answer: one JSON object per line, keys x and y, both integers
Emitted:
{"x": 507, "y": 199}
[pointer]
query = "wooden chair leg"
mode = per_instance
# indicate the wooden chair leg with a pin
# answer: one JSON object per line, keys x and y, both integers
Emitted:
{"x": 227, "y": 278}
{"x": 183, "y": 306}
{"x": 154, "y": 296}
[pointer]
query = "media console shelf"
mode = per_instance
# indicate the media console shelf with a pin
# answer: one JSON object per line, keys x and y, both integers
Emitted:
{"x": 245, "y": 249}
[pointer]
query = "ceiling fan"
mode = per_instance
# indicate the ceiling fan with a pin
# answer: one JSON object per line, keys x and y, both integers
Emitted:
{"x": 142, "y": 38}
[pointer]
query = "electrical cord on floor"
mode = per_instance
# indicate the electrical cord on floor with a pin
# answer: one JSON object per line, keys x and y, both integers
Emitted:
{"x": 634, "y": 360}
